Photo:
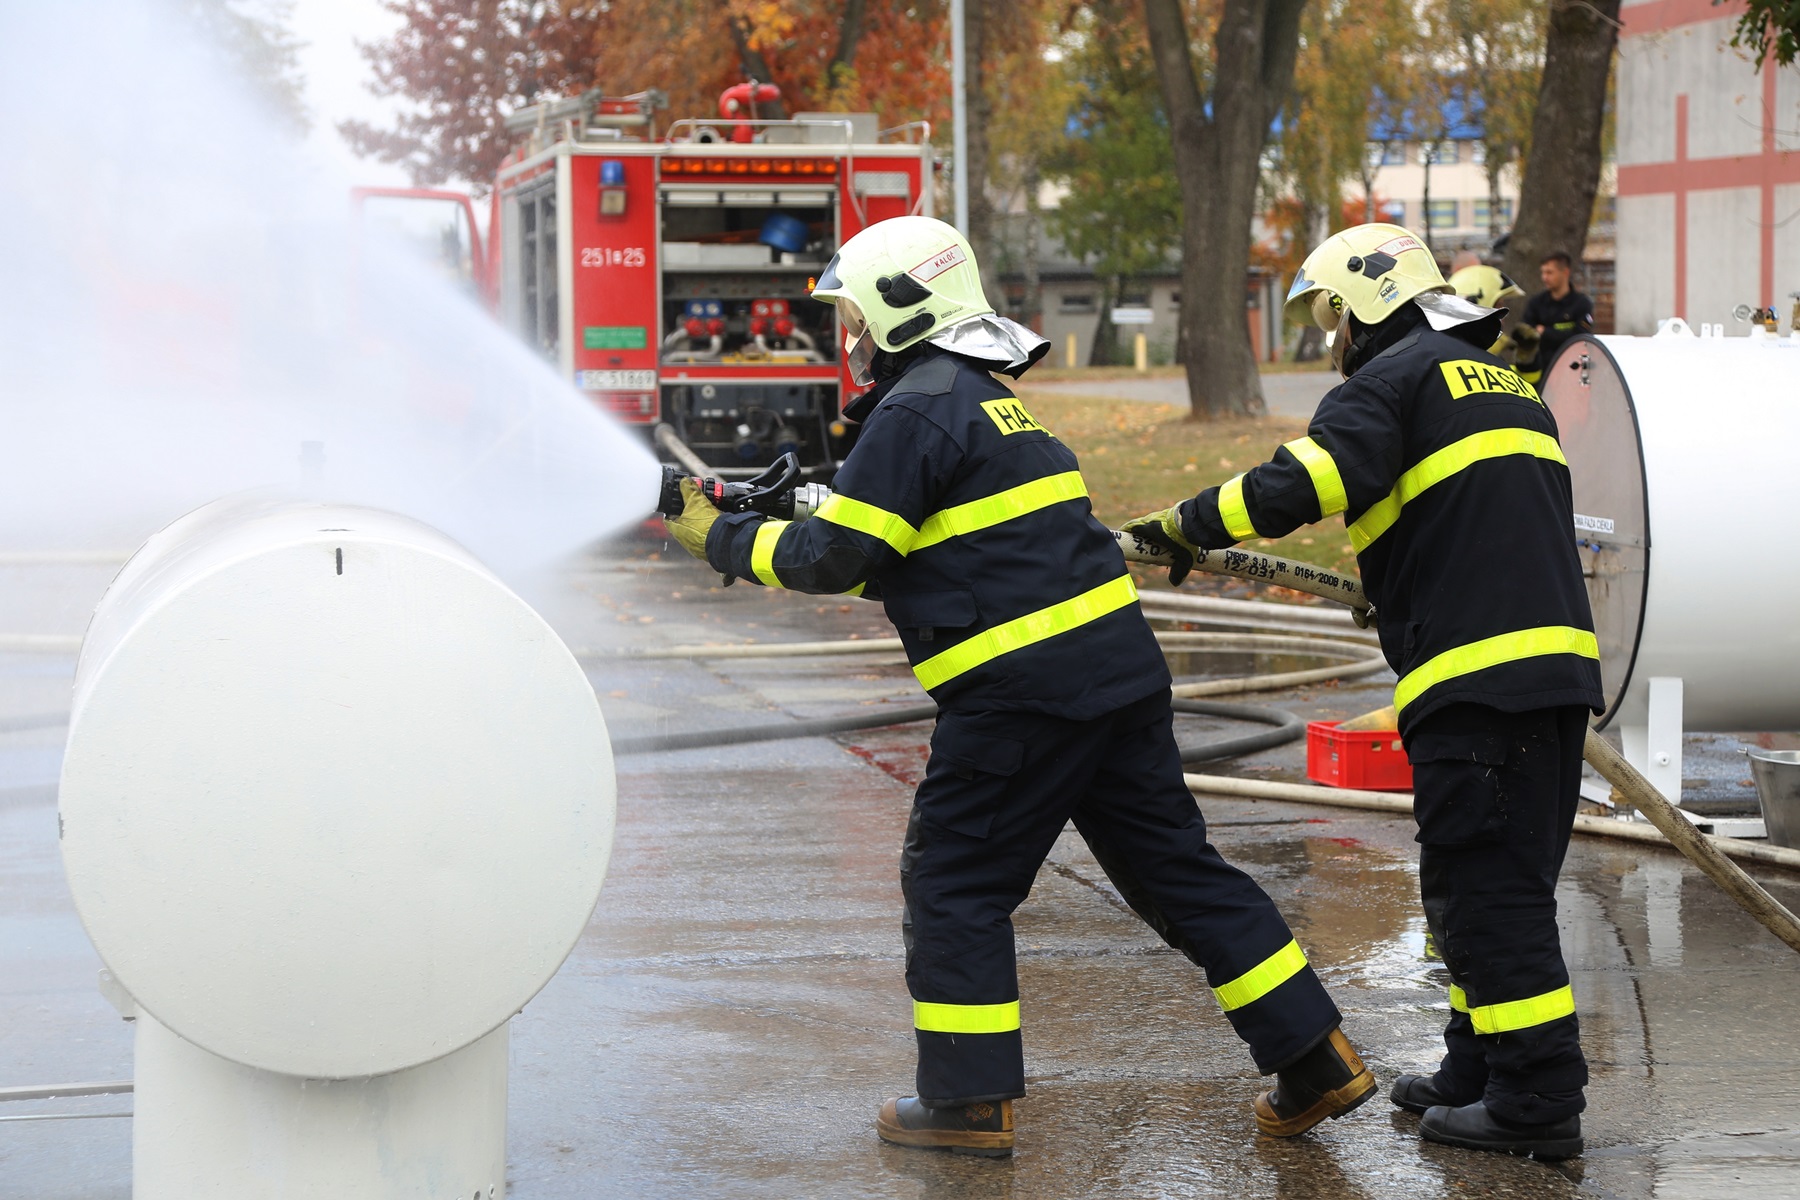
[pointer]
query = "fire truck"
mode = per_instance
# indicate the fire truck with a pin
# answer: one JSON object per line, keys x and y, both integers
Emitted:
{"x": 667, "y": 274}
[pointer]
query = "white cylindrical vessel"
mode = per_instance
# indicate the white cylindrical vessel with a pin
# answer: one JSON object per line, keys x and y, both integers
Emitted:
{"x": 336, "y": 803}
{"x": 1681, "y": 453}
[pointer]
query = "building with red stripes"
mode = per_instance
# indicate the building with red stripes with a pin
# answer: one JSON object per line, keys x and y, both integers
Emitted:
{"x": 1708, "y": 170}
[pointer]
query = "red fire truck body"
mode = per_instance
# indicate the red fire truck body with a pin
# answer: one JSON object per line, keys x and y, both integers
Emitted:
{"x": 668, "y": 278}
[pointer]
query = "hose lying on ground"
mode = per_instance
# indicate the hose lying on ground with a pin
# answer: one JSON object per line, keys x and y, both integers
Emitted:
{"x": 1401, "y": 804}
{"x": 1287, "y": 728}
{"x": 1364, "y": 662}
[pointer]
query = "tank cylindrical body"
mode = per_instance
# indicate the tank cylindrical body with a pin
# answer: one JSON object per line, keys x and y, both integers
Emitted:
{"x": 1680, "y": 452}
{"x": 336, "y": 803}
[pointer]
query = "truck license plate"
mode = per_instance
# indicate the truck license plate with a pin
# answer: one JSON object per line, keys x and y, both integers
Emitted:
{"x": 616, "y": 381}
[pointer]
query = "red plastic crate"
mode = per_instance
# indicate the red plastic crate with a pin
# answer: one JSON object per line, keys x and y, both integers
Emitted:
{"x": 1372, "y": 761}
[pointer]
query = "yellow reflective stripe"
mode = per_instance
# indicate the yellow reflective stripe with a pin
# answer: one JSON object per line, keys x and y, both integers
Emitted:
{"x": 762, "y": 551}
{"x": 1000, "y": 507}
{"x": 857, "y": 590}
{"x": 1323, "y": 469}
{"x": 1491, "y": 652}
{"x": 1263, "y": 978}
{"x": 1024, "y": 631}
{"x": 1437, "y": 467}
{"x": 1517, "y": 1014}
{"x": 866, "y": 518}
{"x": 1232, "y": 510}
{"x": 965, "y": 1018}
{"x": 1459, "y": 999}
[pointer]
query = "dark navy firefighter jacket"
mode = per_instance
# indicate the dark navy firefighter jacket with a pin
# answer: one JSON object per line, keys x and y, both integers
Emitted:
{"x": 972, "y": 524}
{"x": 1456, "y": 494}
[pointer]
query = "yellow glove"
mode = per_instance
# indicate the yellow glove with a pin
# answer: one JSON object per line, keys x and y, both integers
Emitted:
{"x": 1162, "y": 529}
{"x": 695, "y": 521}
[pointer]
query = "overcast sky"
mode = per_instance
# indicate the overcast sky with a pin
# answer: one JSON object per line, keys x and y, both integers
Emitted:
{"x": 337, "y": 79}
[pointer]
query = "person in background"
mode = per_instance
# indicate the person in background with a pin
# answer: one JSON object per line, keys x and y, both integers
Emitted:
{"x": 1556, "y": 314}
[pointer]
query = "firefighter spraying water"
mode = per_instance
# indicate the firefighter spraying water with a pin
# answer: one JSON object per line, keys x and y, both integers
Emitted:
{"x": 972, "y": 524}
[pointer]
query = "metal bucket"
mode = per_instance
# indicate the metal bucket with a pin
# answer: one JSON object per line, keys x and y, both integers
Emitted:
{"x": 1777, "y": 775}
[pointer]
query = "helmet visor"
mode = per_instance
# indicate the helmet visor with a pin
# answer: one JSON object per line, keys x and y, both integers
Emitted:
{"x": 855, "y": 324}
{"x": 1327, "y": 310}
{"x": 859, "y": 342}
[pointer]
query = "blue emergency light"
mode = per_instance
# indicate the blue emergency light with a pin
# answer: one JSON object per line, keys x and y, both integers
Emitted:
{"x": 612, "y": 187}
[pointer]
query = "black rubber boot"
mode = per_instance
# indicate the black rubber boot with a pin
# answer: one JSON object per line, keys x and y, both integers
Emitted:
{"x": 1473, "y": 1127}
{"x": 1416, "y": 1093}
{"x": 1327, "y": 1081}
{"x": 985, "y": 1129}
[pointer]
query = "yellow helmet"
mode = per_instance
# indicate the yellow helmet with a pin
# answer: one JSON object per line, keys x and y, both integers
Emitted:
{"x": 1366, "y": 270}
{"x": 1486, "y": 286}
{"x": 897, "y": 283}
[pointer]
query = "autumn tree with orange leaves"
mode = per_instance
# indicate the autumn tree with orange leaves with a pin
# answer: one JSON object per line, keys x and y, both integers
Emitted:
{"x": 465, "y": 64}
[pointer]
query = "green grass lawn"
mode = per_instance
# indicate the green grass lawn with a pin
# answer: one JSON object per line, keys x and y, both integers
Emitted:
{"x": 1139, "y": 457}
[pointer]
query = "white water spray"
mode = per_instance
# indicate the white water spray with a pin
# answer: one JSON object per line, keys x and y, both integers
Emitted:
{"x": 185, "y": 301}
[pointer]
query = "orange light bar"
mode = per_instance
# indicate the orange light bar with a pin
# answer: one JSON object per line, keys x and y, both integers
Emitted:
{"x": 827, "y": 167}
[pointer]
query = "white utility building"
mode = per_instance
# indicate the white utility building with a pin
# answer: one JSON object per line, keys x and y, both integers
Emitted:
{"x": 1708, "y": 170}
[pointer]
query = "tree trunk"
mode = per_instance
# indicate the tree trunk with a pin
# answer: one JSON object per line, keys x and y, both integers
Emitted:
{"x": 1218, "y": 143}
{"x": 1105, "y": 350}
{"x": 976, "y": 15}
{"x": 1562, "y": 173}
{"x": 1427, "y": 152}
{"x": 850, "y": 31}
{"x": 1315, "y": 227}
{"x": 1033, "y": 314}
{"x": 1494, "y": 161}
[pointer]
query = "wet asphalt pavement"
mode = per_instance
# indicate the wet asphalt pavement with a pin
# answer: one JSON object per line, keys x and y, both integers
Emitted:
{"x": 736, "y": 1011}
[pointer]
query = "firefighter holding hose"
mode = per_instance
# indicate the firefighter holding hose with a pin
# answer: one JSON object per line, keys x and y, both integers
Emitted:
{"x": 1446, "y": 467}
{"x": 1017, "y": 614}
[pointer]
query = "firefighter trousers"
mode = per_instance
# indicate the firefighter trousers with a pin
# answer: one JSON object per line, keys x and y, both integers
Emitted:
{"x": 998, "y": 790}
{"x": 1494, "y": 794}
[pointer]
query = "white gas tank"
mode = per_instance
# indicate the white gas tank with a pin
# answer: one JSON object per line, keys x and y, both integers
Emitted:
{"x": 1681, "y": 451}
{"x": 336, "y": 804}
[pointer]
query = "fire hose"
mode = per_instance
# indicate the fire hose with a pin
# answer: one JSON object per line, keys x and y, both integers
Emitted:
{"x": 779, "y": 493}
{"x": 1286, "y": 726}
{"x": 777, "y": 489}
